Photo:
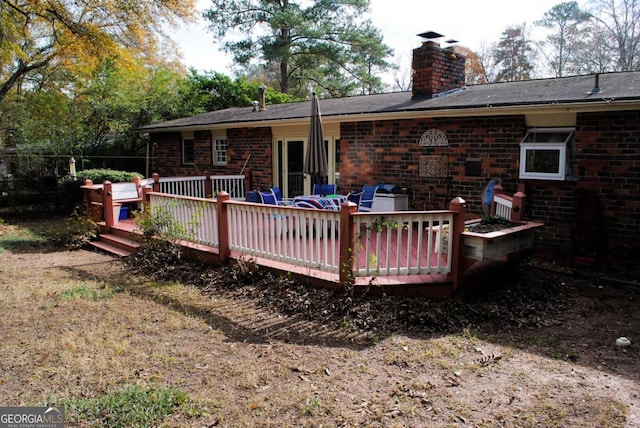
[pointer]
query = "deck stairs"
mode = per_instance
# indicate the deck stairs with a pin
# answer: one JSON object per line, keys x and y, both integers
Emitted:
{"x": 118, "y": 242}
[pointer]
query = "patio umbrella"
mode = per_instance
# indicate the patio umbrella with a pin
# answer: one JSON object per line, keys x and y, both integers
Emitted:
{"x": 315, "y": 160}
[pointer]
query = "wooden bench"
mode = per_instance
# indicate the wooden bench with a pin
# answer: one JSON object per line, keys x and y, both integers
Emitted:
{"x": 121, "y": 193}
{"x": 126, "y": 192}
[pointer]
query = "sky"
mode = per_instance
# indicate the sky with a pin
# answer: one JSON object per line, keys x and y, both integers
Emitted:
{"x": 471, "y": 22}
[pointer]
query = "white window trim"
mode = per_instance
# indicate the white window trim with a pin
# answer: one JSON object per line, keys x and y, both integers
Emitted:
{"x": 561, "y": 147}
{"x": 560, "y": 175}
{"x": 214, "y": 151}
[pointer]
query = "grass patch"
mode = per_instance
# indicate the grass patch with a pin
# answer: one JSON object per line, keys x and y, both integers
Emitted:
{"x": 87, "y": 293}
{"x": 130, "y": 406}
{"x": 19, "y": 239}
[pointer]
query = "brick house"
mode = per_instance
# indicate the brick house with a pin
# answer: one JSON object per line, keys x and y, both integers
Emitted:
{"x": 574, "y": 142}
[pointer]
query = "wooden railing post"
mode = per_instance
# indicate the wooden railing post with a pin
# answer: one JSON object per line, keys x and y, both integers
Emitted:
{"x": 223, "y": 223}
{"x": 107, "y": 204}
{"x": 347, "y": 242}
{"x": 136, "y": 181}
{"x": 156, "y": 181}
{"x": 517, "y": 208}
{"x": 458, "y": 206}
{"x": 208, "y": 188}
{"x": 146, "y": 198}
{"x": 87, "y": 198}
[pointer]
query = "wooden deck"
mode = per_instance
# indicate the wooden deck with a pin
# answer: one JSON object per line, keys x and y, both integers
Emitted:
{"x": 433, "y": 285}
{"x": 384, "y": 252}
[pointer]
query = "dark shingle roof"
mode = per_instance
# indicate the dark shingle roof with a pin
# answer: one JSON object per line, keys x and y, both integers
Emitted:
{"x": 565, "y": 90}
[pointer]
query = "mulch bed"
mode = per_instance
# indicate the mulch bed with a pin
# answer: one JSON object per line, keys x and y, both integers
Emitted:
{"x": 523, "y": 295}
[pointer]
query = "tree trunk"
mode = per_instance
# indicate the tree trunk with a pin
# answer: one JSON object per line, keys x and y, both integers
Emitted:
{"x": 20, "y": 71}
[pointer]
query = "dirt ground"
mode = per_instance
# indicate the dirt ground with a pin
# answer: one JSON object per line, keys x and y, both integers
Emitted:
{"x": 250, "y": 356}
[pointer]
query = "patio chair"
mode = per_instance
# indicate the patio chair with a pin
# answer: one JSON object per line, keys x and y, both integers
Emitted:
{"x": 354, "y": 197}
{"x": 324, "y": 189}
{"x": 268, "y": 197}
{"x": 279, "y": 199}
{"x": 366, "y": 200}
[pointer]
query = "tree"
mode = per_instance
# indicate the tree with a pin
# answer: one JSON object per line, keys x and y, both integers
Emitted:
{"x": 513, "y": 55}
{"x": 474, "y": 72}
{"x": 77, "y": 35}
{"x": 327, "y": 44}
{"x": 594, "y": 54}
{"x": 566, "y": 21}
{"x": 215, "y": 91}
{"x": 487, "y": 59}
{"x": 96, "y": 115}
{"x": 620, "y": 22}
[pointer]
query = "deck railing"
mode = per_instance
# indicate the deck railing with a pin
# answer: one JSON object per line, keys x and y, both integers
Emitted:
{"x": 234, "y": 185}
{"x": 300, "y": 237}
{"x": 191, "y": 219}
{"x": 205, "y": 186}
{"x": 183, "y": 186}
{"x": 392, "y": 244}
{"x": 503, "y": 206}
{"x": 403, "y": 243}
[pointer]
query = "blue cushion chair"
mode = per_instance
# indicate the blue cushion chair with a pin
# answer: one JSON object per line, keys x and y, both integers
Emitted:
{"x": 366, "y": 200}
{"x": 324, "y": 189}
{"x": 354, "y": 197}
{"x": 268, "y": 197}
{"x": 279, "y": 199}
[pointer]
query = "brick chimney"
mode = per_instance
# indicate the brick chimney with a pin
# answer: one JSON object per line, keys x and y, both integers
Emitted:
{"x": 435, "y": 69}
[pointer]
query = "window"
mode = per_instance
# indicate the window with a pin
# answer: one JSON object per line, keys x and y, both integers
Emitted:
{"x": 219, "y": 151}
{"x": 188, "y": 151}
{"x": 545, "y": 153}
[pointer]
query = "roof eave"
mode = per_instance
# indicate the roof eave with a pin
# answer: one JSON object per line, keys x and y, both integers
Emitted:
{"x": 576, "y": 106}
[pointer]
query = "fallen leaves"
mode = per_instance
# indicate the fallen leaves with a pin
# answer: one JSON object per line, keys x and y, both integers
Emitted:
{"x": 487, "y": 360}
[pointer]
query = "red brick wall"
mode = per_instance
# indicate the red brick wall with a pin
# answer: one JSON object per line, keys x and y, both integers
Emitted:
{"x": 607, "y": 166}
{"x": 606, "y": 162}
{"x": 240, "y": 143}
{"x": 389, "y": 152}
{"x": 167, "y": 155}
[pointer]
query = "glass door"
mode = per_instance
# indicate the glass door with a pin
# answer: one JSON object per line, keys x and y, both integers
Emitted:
{"x": 288, "y": 167}
{"x": 295, "y": 183}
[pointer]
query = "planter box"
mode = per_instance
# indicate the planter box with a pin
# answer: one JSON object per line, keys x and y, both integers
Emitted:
{"x": 491, "y": 245}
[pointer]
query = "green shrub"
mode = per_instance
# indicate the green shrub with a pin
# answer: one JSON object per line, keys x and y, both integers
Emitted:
{"x": 76, "y": 231}
{"x": 98, "y": 176}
